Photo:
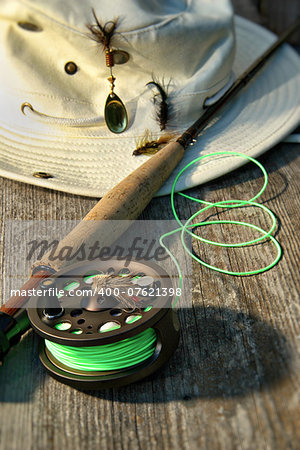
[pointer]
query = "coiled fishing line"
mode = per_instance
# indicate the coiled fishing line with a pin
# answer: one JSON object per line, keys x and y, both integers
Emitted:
{"x": 185, "y": 228}
{"x": 115, "y": 356}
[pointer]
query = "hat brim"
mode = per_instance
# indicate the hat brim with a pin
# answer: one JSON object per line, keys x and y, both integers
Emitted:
{"x": 266, "y": 111}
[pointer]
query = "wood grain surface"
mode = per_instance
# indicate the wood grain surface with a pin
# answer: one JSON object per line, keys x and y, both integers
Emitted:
{"x": 233, "y": 383}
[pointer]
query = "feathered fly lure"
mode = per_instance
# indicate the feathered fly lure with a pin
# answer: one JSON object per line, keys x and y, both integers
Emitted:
{"x": 120, "y": 285}
{"x": 103, "y": 34}
{"x": 149, "y": 146}
{"x": 161, "y": 102}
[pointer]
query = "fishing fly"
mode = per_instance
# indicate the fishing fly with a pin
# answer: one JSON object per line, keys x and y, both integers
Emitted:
{"x": 160, "y": 100}
{"x": 102, "y": 34}
{"x": 119, "y": 286}
{"x": 147, "y": 145}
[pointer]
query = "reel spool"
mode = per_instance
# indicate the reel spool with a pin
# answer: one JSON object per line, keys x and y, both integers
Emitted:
{"x": 135, "y": 334}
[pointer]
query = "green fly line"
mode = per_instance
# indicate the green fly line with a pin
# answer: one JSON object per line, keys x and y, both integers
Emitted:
{"x": 115, "y": 356}
{"x": 184, "y": 229}
{"x": 135, "y": 350}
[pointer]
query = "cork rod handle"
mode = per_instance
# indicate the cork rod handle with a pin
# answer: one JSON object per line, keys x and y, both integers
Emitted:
{"x": 124, "y": 202}
{"x": 130, "y": 197}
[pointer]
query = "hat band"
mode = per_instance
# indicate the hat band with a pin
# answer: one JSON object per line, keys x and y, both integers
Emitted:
{"x": 214, "y": 98}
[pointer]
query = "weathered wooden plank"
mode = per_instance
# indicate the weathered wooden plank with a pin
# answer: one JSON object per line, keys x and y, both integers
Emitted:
{"x": 275, "y": 15}
{"x": 248, "y": 9}
{"x": 278, "y": 15}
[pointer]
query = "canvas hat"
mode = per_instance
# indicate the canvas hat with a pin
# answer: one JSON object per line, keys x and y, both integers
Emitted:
{"x": 52, "y": 66}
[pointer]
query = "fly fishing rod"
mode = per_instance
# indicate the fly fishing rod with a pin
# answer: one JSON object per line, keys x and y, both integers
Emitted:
{"x": 66, "y": 329}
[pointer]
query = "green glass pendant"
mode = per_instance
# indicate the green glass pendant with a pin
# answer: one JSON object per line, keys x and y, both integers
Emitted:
{"x": 115, "y": 114}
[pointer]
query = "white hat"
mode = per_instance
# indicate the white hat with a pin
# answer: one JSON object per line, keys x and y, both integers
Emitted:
{"x": 49, "y": 61}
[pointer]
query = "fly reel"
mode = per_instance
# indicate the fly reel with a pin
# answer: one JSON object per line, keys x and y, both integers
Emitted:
{"x": 105, "y": 324}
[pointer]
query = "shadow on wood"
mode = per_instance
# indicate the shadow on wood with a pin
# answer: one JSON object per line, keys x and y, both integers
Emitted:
{"x": 222, "y": 353}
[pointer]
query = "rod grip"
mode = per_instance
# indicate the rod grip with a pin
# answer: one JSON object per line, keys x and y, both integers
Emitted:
{"x": 130, "y": 197}
{"x": 121, "y": 204}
